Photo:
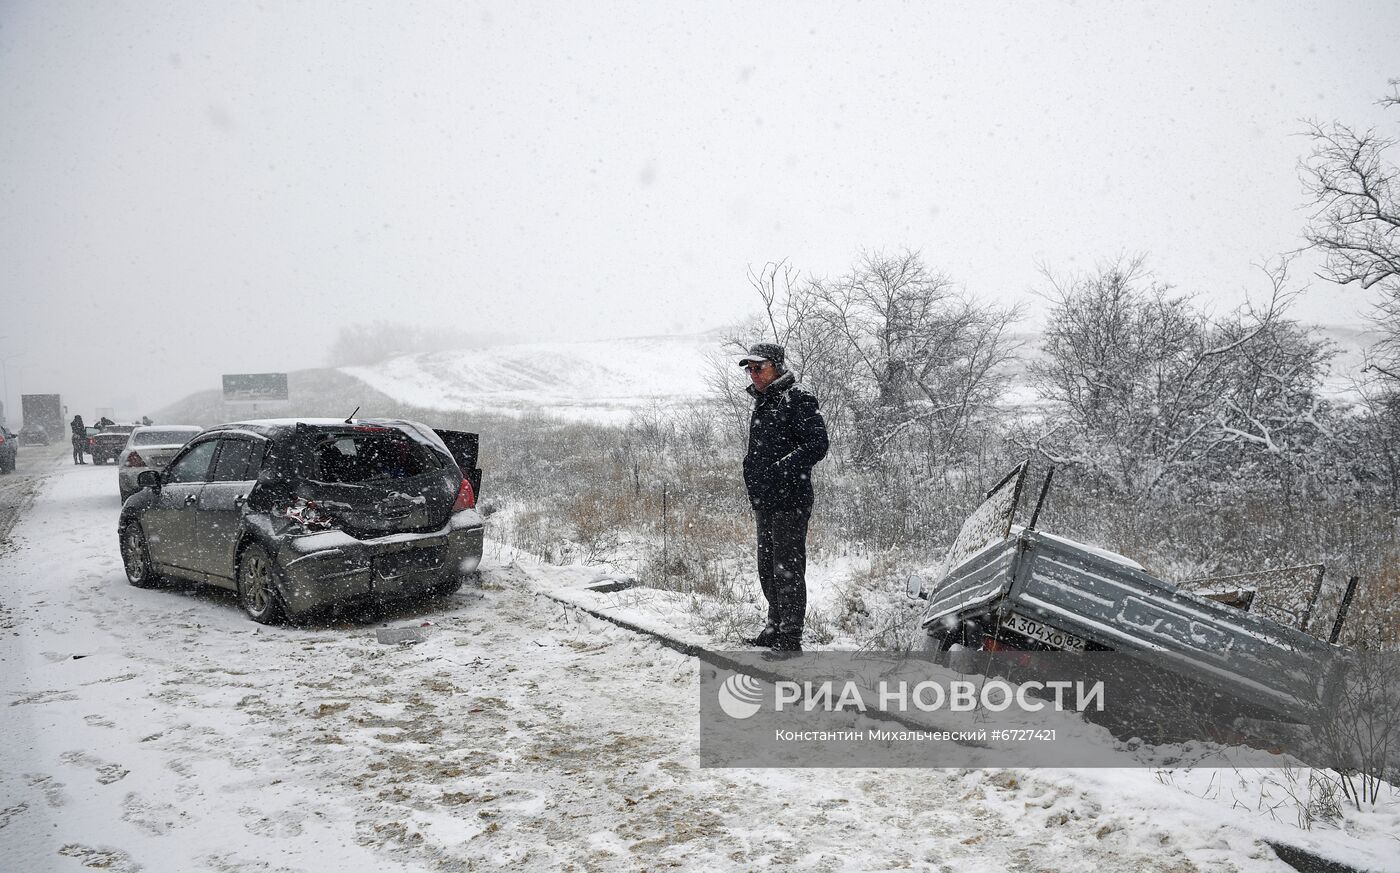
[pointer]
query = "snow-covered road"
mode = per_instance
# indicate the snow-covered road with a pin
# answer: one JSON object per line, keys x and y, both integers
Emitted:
{"x": 161, "y": 730}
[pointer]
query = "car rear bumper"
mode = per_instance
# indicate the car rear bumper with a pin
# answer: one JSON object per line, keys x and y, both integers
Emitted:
{"x": 323, "y": 568}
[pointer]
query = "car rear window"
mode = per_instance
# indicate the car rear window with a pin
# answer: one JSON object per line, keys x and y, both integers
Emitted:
{"x": 367, "y": 457}
{"x": 163, "y": 437}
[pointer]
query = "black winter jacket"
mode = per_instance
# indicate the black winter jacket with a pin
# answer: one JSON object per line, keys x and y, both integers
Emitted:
{"x": 787, "y": 437}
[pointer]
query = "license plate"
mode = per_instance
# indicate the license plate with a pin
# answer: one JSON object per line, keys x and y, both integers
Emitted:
{"x": 409, "y": 562}
{"x": 1042, "y": 633}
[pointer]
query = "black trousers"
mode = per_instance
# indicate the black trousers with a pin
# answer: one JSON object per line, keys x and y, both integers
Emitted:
{"x": 782, "y": 569}
{"x": 78, "y": 445}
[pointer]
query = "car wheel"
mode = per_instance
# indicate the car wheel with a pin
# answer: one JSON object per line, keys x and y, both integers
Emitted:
{"x": 955, "y": 647}
{"x": 136, "y": 556}
{"x": 257, "y": 585}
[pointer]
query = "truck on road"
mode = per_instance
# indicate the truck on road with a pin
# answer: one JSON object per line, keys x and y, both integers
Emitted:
{"x": 45, "y": 410}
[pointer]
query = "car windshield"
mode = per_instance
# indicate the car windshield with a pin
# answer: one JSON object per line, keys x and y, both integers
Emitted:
{"x": 365, "y": 457}
{"x": 162, "y": 437}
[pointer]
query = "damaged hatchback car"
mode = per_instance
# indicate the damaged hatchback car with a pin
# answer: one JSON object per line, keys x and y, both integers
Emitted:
{"x": 296, "y": 514}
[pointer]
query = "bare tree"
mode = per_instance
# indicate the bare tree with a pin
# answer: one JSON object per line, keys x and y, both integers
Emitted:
{"x": 1147, "y": 392}
{"x": 1116, "y": 348}
{"x": 1372, "y": 441}
{"x": 1355, "y": 188}
{"x": 904, "y": 365}
{"x": 1269, "y": 413}
{"x": 790, "y": 319}
{"x": 918, "y": 361}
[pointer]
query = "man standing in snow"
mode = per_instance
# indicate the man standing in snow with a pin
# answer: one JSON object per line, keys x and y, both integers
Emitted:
{"x": 79, "y": 438}
{"x": 787, "y": 437}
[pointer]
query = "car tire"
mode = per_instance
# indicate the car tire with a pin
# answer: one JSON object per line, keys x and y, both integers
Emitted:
{"x": 955, "y": 648}
{"x": 258, "y": 593}
{"x": 136, "y": 556}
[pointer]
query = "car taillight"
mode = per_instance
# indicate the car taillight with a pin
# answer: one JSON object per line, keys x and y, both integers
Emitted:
{"x": 305, "y": 513}
{"x": 134, "y": 460}
{"x": 91, "y": 442}
{"x": 466, "y": 497}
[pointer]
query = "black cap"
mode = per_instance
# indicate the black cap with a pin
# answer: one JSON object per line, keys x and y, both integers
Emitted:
{"x": 764, "y": 352}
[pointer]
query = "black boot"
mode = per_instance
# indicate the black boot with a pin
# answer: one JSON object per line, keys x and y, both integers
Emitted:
{"x": 783, "y": 647}
{"x": 764, "y": 638}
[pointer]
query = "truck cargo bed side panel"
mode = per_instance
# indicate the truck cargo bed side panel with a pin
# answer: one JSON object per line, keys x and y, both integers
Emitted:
{"x": 1130, "y": 611}
{"x": 976, "y": 583}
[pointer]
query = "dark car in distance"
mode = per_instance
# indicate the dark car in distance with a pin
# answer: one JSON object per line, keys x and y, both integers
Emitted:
{"x": 296, "y": 514}
{"x": 9, "y": 450}
{"x": 33, "y": 434}
{"x": 106, "y": 443}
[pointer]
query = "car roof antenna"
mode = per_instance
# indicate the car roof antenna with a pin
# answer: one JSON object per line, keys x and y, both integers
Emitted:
{"x": 351, "y": 417}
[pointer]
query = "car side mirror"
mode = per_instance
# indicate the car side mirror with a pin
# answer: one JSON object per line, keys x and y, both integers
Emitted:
{"x": 916, "y": 586}
{"x": 148, "y": 479}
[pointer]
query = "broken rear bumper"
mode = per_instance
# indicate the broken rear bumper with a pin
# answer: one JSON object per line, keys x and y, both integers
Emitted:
{"x": 323, "y": 568}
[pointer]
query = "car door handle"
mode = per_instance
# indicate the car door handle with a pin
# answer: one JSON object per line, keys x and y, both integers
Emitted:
{"x": 190, "y": 499}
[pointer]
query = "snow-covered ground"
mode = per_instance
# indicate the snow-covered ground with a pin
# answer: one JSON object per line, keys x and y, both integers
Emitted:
{"x": 160, "y": 730}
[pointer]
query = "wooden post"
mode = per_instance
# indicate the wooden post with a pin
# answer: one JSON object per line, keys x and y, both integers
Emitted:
{"x": 1342, "y": 610}
{"x": 1040, "y": 501}
{"x": 1312, "y": 601}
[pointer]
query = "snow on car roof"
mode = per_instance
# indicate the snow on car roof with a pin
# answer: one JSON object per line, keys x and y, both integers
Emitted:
{"x": 320, "y": 422}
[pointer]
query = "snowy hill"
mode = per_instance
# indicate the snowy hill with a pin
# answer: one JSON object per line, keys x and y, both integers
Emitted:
{"x": 606, "y": 381}
{"x": 602, "y": 381}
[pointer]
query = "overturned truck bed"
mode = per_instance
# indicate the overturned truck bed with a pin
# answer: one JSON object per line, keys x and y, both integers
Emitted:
{"x": 1018, "y": 588}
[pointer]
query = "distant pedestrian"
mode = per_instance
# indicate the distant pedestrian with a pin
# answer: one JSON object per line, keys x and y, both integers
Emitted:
{"x": 79, "y": 439}
{"x": 787, "y": 437}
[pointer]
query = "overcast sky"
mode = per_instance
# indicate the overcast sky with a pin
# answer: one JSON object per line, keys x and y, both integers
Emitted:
{"x": 188, "y": 189}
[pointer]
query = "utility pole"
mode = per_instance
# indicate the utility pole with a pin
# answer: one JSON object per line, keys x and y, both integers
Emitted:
{"x": 5, "y": 384}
